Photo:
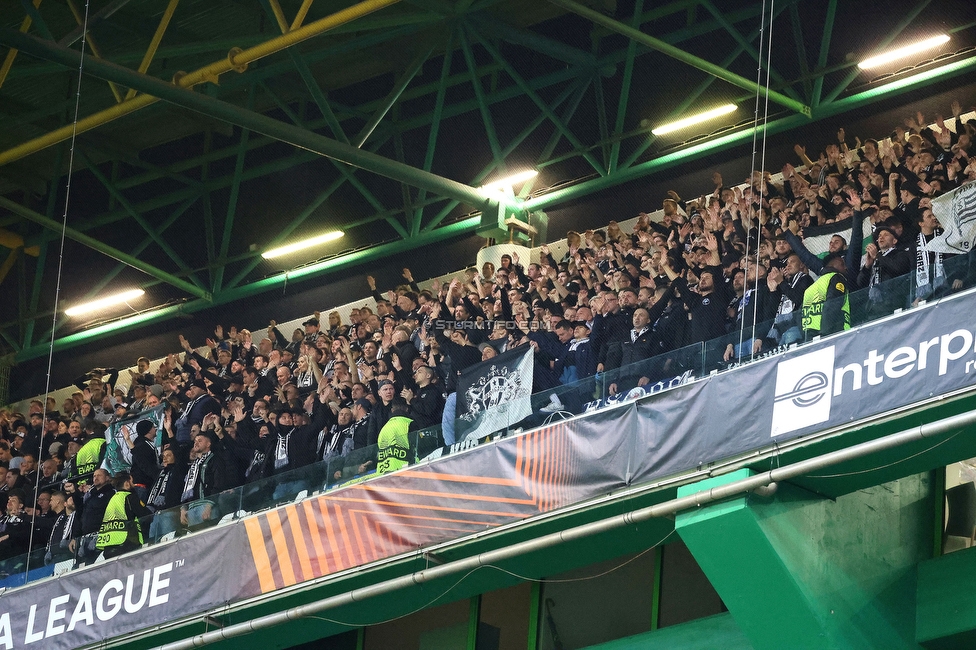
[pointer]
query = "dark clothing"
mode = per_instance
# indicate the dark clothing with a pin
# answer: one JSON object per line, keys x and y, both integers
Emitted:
{"x": 379, "y": 416}
{"x": 292, "y": 448}
{"x": 427, "y": 406}
{"x": 145, "y": 468}
{"x": 193, "y": 413}
{"x": 95, "y": 502}
{"x": 707, "y": 312}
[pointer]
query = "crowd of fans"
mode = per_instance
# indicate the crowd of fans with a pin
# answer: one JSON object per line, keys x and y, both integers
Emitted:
{"x": 251, "y": 406}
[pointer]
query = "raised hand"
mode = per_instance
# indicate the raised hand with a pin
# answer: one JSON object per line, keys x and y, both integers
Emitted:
{"x": 371, "y": 281}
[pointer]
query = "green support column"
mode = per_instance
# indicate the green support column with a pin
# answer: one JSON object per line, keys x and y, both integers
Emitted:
{"x": 797, "y": 571}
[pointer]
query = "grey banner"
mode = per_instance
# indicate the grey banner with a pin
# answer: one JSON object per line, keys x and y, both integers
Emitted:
{"x": 152, "y": 587}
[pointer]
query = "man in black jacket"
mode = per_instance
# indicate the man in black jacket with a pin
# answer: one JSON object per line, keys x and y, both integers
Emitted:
{"x": 145, "y": 465}
{"x": 884, "y": 262}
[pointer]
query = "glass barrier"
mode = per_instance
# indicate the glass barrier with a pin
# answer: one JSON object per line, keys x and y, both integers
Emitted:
{"x": 652, "y": 374}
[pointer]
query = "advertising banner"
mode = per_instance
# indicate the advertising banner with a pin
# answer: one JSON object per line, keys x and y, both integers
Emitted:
{"x": 154, "y": 586}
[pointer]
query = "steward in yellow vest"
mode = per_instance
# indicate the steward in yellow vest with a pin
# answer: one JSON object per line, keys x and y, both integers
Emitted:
{"x": 121, "y": 530}
{"x": 826, "y": 306}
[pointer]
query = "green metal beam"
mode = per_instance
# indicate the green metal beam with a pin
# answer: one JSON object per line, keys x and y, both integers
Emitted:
{"x": 801, "y": 51}
{"x": 543, "y": 106}
{"x": 336, "y": 264}
{"x": 724, "y": 142}
{"x": 624, "y": 99}
{"x": 435, "y": 125}
{"x": 483, "y": 106}
{"x": 828, "y": 30}
{"x": 526, "y": 132}
{"x": 394, "y": 95}
{"x": 248, "y": 119}
{"x": 138, "y": 218}
{"x": 747, "y": 46}
{"x": 690, "y": 99}
{"x": 101, "y": 247}
{"x": 679, "y": 54}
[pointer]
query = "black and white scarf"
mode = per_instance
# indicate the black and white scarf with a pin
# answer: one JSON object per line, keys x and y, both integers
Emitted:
{"x": 929, "y": 266}
{"x": 197, "y": 468}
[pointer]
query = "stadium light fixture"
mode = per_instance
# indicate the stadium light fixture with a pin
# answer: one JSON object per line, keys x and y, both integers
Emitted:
{"x": 694, "y": 119}
{"x": 102, "y": 303}
{"x": 300, "y": 245}
{"x": 902, "y": 52}
{"x": 508, "y": 181}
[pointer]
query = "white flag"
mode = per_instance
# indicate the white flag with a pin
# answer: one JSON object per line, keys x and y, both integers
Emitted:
{"x": 956, "y": 211}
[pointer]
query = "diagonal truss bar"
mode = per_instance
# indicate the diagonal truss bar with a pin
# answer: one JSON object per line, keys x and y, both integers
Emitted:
{"x": 104, "y": 13}
{"x": 622, "y": 102}
{"x": 690, "y": 99}
{"x": 392, "y": 97}
{"x": 263, "y": 124}
{"x": 300, "y": 15}
{"x": 479, "y": 93}
{"x": 93, "y": 46}
{"x": 533, "y": 41}
{"x": 801, "y": 51}
{"x": 526, "y": 132}
{"x": 321, "y": 101}
{"x": 138, "y": 218}
{"x": 435, "y": 125}
{"x": 828, "y": 31}
{"x": 156, "y": 40}
{"x": 747, "y": 46}
{"x": 680, "y": 55}
{"x": 8, "y": 61}
{"x": 101, "y": 247}
{"x": 543, "y": 106}
{"x": 205, "y": 74}
{"x": 96, "y": 288}
{"x": 285, "y": 231}
{"x": 235, "y": 189}
{"x": 907, "y": 20}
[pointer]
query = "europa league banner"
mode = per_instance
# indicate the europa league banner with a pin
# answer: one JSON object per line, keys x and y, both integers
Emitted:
{"x": 494, "y": 394}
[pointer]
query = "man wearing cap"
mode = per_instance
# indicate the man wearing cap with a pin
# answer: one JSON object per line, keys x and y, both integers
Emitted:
{"x": 121, "y": 530}
{"x": 145, "y": 466}
{"x": 199, "y": 404}
{"x": 311, "y": 329}
{"x": 883, "y": 262}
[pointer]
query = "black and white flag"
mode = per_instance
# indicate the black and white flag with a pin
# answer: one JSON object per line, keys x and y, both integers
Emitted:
{"x": 956, "y": 211}
{"x": 494, "y": 394}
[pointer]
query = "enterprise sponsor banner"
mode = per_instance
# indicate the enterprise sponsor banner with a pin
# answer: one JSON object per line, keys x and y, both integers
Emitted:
{"x": 870, "y": 371}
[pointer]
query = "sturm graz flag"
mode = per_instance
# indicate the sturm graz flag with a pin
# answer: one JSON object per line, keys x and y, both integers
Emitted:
{"x": 494, "y": 394}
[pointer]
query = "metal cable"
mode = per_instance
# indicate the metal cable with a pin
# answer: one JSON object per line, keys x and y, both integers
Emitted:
{"x": 57, "y": 288}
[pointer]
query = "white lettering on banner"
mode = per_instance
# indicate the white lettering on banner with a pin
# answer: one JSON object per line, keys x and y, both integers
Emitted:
{"x": 806, "y": 383}
{"x": 802, "y": 393}
{"x": 114, "y": 595}
{"x": 6, "y": 633}
{"x": 56, "y": 614}
{"x": 32, "y": 636}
